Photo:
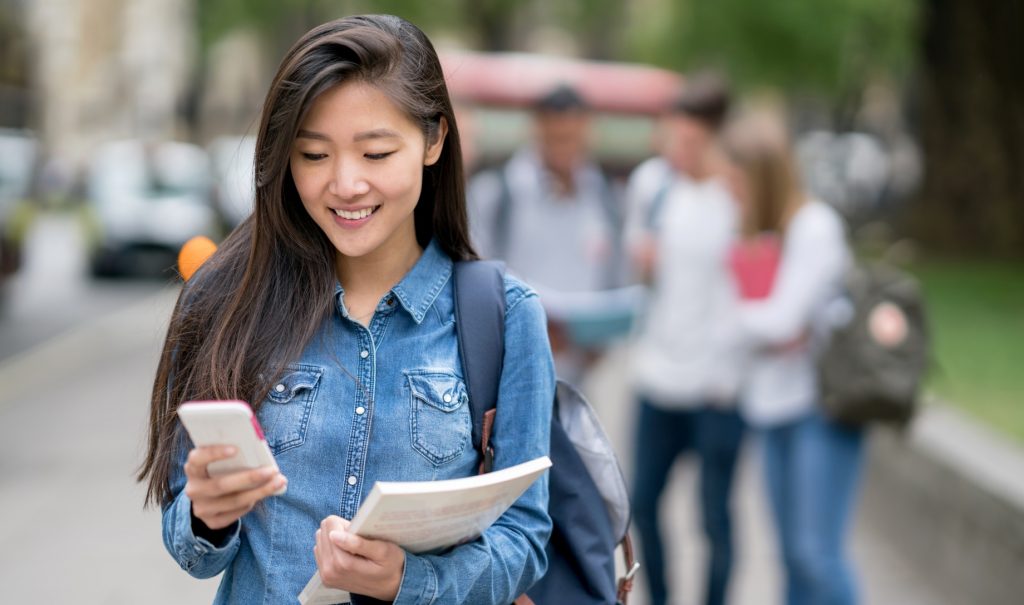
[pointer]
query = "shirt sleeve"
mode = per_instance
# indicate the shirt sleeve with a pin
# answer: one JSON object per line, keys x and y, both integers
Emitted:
{"x": 813, "y": 261}
{"x": 509, "y": 557}
{"x": 197, "y": 555}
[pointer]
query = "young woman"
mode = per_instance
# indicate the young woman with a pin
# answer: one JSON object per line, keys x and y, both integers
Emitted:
{"x": 811, "y": 463}
{"x": 331, "y": 309}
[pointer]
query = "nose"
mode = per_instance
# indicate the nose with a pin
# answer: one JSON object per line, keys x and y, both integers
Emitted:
{"x": 348, "y": 182}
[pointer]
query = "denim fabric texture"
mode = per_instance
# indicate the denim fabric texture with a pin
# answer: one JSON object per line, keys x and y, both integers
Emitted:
{"x": 388, "y": 402}
{"x": 714, "y": 435}
{"x": 812, "y": 467}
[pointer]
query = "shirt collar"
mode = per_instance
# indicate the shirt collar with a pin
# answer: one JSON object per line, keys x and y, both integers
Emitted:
{"x": 421, "y": 285}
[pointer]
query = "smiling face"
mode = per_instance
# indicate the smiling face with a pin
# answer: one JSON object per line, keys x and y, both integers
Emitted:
{"x": 357, "y": 163}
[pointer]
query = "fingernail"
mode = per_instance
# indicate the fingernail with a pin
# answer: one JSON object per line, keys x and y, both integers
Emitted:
{"x": 267, "y": 473}
{"x": 281, "y": 481}
{"x": 228, "y": 450}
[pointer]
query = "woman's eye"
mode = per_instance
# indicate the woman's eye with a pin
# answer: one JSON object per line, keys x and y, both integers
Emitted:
{"x": 378, "y": 156}
{"x": 313, "y": 157}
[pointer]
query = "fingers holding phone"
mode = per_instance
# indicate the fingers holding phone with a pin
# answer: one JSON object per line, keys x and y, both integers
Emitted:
{"x": 231, "y": 467}
{"x": 221, "y": 500}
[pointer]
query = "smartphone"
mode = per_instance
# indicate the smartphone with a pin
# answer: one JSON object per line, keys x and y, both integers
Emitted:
{"x": 228, "y": 423}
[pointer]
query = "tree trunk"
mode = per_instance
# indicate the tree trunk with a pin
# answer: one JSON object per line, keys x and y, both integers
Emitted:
{"x": 972, "y": 127}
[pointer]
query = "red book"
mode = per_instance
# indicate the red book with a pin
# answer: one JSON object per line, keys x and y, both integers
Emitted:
{"x": 754, "y": 263}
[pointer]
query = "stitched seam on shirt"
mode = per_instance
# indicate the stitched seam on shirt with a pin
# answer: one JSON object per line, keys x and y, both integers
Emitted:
{"x": 516, "y": 294}
{"x": 432, "y": 584}
{"x": 434, "y": 291}
{"x": 370, "y": 405}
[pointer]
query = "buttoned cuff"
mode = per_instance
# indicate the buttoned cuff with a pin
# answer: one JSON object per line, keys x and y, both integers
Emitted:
{"x": 419, "y": 582}
{"x": 197, "y": 554}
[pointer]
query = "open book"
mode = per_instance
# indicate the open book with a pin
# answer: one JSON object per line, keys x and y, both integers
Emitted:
{"x": 423, "y": 516}
{"x": 595, "y": 319}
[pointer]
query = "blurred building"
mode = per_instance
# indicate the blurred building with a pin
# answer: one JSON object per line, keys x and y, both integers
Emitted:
{"x": 107, "y": 69}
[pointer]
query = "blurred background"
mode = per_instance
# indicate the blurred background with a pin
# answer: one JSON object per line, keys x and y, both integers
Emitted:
{"x": 126, "y": 127}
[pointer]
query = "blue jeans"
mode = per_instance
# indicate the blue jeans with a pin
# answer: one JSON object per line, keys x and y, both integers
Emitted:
{"x": 662, "y": 436}
{"x": 812, "y": 467}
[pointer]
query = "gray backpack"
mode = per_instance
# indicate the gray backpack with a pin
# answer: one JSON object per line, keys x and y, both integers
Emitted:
{"x": 872, "y": 367}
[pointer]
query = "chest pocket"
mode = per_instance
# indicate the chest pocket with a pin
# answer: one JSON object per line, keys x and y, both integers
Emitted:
{"x": 285, "y": 412}
{"x": 441, "y": 427}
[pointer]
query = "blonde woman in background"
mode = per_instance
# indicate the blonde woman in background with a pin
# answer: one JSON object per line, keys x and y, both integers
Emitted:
{"x": 812, "y": 464}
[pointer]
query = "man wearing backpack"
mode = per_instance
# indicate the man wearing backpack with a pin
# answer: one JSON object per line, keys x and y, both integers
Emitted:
{"x": 684, "y": 368}
{"x": 552, "y": 215}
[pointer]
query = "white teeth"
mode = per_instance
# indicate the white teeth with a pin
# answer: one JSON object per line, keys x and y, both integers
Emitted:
{"x": 355, "y": 216}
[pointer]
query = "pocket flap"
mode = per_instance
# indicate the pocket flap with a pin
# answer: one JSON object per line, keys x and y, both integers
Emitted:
{"x": 296, "y": 380}
{"x": 442, "y": 390}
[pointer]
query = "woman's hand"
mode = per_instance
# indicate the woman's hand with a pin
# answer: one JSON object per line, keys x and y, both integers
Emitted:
{"x": 799, "y": 343}
{"x": 220, "y": 501}
{"x": 372, "y": 568}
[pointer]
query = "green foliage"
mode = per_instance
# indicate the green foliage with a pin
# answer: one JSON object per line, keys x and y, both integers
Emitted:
{"x": 814, "y": 45}
{"x": 821, "y": 46}
{"x": 976, "y": 312}
{"x": 283, "y": 20}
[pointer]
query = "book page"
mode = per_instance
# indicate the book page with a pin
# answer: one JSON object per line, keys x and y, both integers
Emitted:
{"x": 442, "y": 517}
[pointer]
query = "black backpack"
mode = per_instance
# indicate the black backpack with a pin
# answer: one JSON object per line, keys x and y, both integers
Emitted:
{"x": 589, "y": 503}
{"x": 878, "y": 350}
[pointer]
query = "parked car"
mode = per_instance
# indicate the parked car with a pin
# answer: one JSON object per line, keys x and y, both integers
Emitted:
{"x": 232, "y": 159}
{"x": 145, "y": 200}
{"x": 18, "y": 159}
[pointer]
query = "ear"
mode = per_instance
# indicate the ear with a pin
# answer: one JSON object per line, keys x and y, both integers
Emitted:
{"x": 434, "y": 148}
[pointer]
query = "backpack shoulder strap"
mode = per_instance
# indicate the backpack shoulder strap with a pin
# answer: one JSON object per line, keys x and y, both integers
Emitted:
{"x": 480, "y": 327}
{"x": 658, "y": 202}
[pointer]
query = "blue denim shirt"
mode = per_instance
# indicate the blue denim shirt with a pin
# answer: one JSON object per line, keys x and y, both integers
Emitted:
{"x": 388, "y": 402}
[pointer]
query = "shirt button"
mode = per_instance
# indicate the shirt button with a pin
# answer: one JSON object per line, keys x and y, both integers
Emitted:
{"x": 447, "y": 398}
{"x": 279, "y": 388}
{"x": 360, "y": 410}
{"x": 364, "y": 354}
{"x": 352, "y": 480}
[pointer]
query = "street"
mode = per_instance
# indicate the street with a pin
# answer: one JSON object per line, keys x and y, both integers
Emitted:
{"x": 53, "y": 291}
{"x": 74, "y": 391}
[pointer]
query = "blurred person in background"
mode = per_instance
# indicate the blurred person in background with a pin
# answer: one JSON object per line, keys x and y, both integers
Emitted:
{"x": 552, "y": 215}
{"x": 685, "y": 372}
{"x": 811, "y": 464}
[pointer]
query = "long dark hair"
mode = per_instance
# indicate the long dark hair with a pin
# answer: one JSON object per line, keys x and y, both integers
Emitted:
{"x": 277, "y": 268}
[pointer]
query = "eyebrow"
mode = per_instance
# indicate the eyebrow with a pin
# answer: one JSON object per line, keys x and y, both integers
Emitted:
{"x": 309, "y": 134}
{"x": 377, "y": 133}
